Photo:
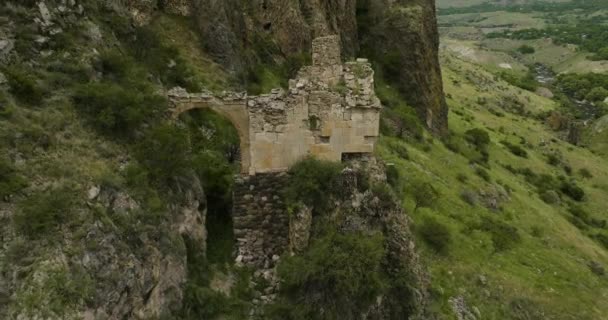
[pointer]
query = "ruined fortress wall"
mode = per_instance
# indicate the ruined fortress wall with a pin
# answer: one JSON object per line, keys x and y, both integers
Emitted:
{"x": 330, "y": 109}
{"x": 261, "y": 222}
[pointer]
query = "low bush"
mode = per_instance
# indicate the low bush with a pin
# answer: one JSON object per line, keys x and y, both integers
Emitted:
{"x": 436, "y": 235}
{"x": 553, "y": 159}
{"x": 399, "y": 149}
{"x": 585, "y": 173}
{"x": 526, "y": 309}
{"x": 463, "y": 178}
{"x": 526, "y": 49}
{"x": 572, "y": 190}
{"x": 526, "y": 82}
{"x": 424, "y": 194}
{"x": 393, "y": 177}
{"x": 118, "y": 110}
{"x": 24, "y": 85}
{"x": 602, "y": 239}
{"x": 469, "y": 197}
{"x": 478, "y": 137}
{"x": 41, "y": 214}
{"x": 483, "y": 173}
{"x": 313, "y": 182}
{"x": 515, "y": 149}
{"x": 550, "y": 197}
{"x": 10, "y": 180}
{"x": 215, "y": 173}
{"x": 504, "y": 236}
{"x": 339, "y": 276}
{"x": 165, "y": 153}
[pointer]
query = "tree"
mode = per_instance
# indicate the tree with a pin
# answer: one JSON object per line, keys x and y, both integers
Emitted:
{"x": 526, "y": 49}
{"x": 597, "y": 94}
{"x": 479, "y": 137}
{"x": 425, "y": 195}
{"x": 165, "y": 152}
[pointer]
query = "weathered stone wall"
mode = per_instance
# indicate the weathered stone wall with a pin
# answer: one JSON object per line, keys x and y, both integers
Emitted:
{"x": 330, "y": 110}
{"x": 261, "y": 222}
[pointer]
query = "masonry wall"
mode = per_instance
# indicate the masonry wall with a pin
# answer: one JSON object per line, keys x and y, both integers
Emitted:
{"x": 261, "y": 222}
{"x": 329, "y": 110}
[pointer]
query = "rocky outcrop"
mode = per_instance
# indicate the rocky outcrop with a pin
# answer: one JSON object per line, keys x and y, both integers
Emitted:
{"x": 403, "y": 36}
{"x": 115, "y": 266}
{"x": 236, "y": 33}
{"x": 365, "y": 210}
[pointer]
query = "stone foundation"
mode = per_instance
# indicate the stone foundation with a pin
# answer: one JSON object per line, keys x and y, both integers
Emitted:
{"x": 261, "y": 222}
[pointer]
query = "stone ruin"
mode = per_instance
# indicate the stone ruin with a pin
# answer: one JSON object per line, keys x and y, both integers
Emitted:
{"x": 330, "y": 111}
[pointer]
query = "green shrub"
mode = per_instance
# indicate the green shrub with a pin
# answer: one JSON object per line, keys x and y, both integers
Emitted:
{"x": 224, "y": 137}
{"x": 116, "y": 66}
{"x": 118, "y": 110}
{"x": 463, "y": 178}
{"x": 550, "y": 197}
{"x": 585, "y": 173}
{"x": 515, "y": 149}
{"x": 526, "y": 309}
{"x": 469, "y": 197}
{"x": 526, "y": 82}
{"x": 504, "y": 236}
{"x": 393, "y": 177}
{"x": 339, "y": 276}
{"x": 580, "y": 213}
{"x": 526, "y": 49}
{"x": 165, "y": 153}
{"x": 597, "y": 94}
{"x": 313, "y": 182}
{"x": 399, "y": 149}
{"x": 24, "y": 85}
{"x": 572, "y": 190}
{"x": 43, "y": 213}
{"x": 483, "y": 173}
{"x": 424, "y": 194}
{"x": 436, "y": 235}
{"x": 215, "y": 173}
{"x": 10, "y": 180}
{"x": 602, "y": 239}
{"x": 478, "y": 137}
{"x": 163, "y": 61}
{"x": 553, "y": 159}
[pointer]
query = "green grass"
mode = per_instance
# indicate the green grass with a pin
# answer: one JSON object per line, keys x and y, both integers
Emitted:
{"x": 547, "y": 267}
{"x": 179, "y": 32}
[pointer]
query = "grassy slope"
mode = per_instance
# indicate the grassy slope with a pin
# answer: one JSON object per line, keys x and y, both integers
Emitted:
{"x": 179, "y": 32}
{"x": 549, "y": 270}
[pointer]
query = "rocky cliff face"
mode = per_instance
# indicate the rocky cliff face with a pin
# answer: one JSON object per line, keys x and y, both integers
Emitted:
{"x": 102, "y": 270}
{"x": 404, "y": 35}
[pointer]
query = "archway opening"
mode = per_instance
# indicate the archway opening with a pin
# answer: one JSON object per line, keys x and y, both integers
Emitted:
{"x": 216, "y": 159}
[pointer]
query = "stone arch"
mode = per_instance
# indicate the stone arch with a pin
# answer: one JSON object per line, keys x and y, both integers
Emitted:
{"x": 235, "y": 111}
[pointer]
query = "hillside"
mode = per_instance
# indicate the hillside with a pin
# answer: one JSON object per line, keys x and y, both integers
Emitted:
{"x": 129, "y": 189}
{"x": 517, "y": 250}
